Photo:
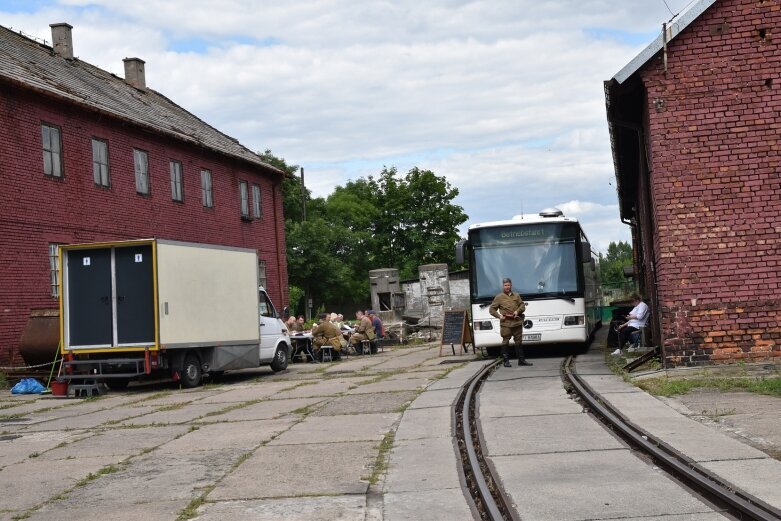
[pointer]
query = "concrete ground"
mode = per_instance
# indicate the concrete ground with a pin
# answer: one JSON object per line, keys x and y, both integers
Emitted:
{"x": 369, "y": 438}
{"x": 310, "y": 443}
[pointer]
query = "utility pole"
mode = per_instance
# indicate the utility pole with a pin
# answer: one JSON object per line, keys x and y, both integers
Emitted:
{"x": 307, "y": 300}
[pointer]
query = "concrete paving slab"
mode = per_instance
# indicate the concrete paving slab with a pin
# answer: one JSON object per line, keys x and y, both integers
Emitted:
{"x": 388, "y": 402}
{"x": 246, "y": 393}
{"x": 418, "y": 465}
{"x": 339, "y": 469}
{"x": 32, "y": 482}
{"x": 421, "y": 372}
{"x": 246, "y": 436}
{"x": 604, "y": 383}
{"x": 15, "y": 450}
{"x": 175, "y": 415}
{"x": 344, "y": 508}
{"x": 170, "y": 398}
{"x": 116, "y": 442}
{"x": 757, "y": 477}
{"x": 408, "y": 384}
{"x": 157, "y": 511}
{"x": 92, "y": 419}
{"x": 333, "y": 387}
{"x": 436, "y": 398}
{"x": 405, "y": 360}
{"x": 492, "y": 404}
{"x": 603, "y": 484}
{"x": 546, "y": 434}
{"x": 456, "y": 378}
{"x": 541, "y": 384}
{"x": 265, "y": 410}
{"x": 327, "y": 429}
{"x": 156, "y": 477}
{"x": 425, "y": 423}
{"x": 439, "y": 505}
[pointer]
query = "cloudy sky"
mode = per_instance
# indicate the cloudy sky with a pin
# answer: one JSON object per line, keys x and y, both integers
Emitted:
{"x": 502, "y": 97}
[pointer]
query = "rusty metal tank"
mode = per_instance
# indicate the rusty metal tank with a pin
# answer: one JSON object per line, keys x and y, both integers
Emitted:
{"x": 41, "y": 337}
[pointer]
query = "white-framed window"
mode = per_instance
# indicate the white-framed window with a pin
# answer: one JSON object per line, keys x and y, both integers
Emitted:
{"x": 257, "y": 207}
{"x": 100, "y": 169}
{"x": 52, "y": 146}
{"x": 207, "y": 194}
{"x": 244, "y": 195}
{"x": 177, "y": 189}
{"x": 262, "y": 273}
{"x": 54, "y": 269}
{"x": 141, "y": 163}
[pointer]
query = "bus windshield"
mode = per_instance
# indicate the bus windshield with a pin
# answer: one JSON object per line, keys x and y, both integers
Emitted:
{"x": 541, "y": 261}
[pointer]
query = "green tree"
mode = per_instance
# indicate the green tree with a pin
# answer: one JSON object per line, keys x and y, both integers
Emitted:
{"x": 611, "y": 266}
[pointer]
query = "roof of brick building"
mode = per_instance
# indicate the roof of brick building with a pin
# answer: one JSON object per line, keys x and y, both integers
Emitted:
{"x": 27, "y": 62}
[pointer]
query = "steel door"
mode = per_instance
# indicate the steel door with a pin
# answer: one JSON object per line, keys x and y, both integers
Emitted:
{"x": 135, "y": 295}
{"x": 90, "y": 320}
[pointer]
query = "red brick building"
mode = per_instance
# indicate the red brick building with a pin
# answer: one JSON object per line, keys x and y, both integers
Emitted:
{"x": 696, "y": 134}
{"x": 87, "y": 156}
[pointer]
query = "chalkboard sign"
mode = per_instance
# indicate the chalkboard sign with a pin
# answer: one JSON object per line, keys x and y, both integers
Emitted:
{"x": 456, "y": 330}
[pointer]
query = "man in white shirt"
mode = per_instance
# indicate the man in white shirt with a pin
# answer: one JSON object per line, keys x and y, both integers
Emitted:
{"x": 634, "y": 320}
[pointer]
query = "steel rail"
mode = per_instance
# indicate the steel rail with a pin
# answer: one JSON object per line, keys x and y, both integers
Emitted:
{"x": 489, "y": 499}
{"x": 694, "y": 475}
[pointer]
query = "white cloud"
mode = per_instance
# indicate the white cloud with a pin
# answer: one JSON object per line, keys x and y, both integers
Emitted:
{"x": 504, "y": 98}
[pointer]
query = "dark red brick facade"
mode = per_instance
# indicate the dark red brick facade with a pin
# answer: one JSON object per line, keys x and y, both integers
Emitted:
{"x": 713, "y": 137}
{"x": 36, "y": 210}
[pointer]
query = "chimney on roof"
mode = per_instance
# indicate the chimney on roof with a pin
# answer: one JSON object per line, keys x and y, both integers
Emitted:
{"x": 62, "y": 42}
{"x": 134, "y": 72}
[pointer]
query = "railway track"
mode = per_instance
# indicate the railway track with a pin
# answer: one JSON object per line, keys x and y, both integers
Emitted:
{"x": 493, "y": 503}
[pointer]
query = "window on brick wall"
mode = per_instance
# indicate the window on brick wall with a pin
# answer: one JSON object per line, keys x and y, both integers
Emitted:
{"x": 100, "y": 170}
{"x": 52, "y": 146}
{"x": 256, "y": 205}
{"x": 54, "y": 269}
{"x": 207, "y": 195}
{"x": 141, "y": 164}
{"x": 244, "y": 196}
{"x": 177, "y": 188}
{"x": 262, "y": 273}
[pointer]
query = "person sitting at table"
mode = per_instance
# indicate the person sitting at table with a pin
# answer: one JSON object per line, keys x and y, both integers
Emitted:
{"x": 291, "y": 323}
{"x": 363, "y": 331}
{"x": 324, "y": 332}
{"x": 298, "y": 327}
{"x": 379, "y": 329}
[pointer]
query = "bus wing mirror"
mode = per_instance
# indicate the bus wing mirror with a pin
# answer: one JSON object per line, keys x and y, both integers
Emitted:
{"x": 461, "y": 251}
{"x": 585, "y": 251}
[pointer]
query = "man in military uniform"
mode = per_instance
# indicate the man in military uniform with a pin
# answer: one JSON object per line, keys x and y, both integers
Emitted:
{"x": 363, "y": 331}
{"x": 508, "y": 307}
{"x": 326, "y": 333}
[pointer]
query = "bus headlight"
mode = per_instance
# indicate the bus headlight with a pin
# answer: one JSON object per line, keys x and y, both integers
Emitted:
{"x": 483, "y": 325}
{"x": 574, "y": 320}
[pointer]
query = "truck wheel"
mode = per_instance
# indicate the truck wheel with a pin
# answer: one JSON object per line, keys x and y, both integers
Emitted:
{"x": 117, "y": 384}
{"x": 191, "y": 372}
{"x": 280, "y": 359}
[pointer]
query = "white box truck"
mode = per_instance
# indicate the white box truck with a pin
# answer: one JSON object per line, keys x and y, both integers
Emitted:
{"x": 135, "y": 308}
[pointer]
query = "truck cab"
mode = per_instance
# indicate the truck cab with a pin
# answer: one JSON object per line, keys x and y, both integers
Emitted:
{"x": 275, "y": 346}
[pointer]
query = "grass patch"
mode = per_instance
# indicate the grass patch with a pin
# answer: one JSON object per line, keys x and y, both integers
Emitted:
{"x": 191, "y": 510}
{"x": 669, "y": 387}
{"x": 108, "y": 469}
{"x": 3, "y": 381}
{"x": 381, "y": 461}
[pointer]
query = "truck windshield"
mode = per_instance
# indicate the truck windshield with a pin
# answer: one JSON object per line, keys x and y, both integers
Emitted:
{"x": 541, "y": 260}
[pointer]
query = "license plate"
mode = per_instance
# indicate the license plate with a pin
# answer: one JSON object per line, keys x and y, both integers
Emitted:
{"x": 532, "y": 338}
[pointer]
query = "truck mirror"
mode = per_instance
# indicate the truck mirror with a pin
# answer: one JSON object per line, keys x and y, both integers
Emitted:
{"x": 585, "y": 251}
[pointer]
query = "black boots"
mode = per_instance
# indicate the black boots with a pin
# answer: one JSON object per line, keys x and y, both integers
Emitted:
{"x": 522, "y": 361}
{"x": 506, "y": 359}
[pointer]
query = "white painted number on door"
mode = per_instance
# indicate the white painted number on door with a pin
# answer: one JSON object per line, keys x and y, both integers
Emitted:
{"x": 86, "y": 261}
{"x": 139, "y": 257}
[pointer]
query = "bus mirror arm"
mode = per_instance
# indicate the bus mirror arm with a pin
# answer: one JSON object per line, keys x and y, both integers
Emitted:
{"x": 461, "y": 247}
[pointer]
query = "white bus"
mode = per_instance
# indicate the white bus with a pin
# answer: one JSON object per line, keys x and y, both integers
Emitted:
{"x": 553, "y": 268}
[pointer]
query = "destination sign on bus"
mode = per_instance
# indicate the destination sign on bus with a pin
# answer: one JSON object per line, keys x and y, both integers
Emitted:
{"x": 542, "y": 232}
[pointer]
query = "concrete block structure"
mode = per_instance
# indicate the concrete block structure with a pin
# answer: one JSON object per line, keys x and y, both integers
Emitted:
{"x": 694, "y": 122}
{"x": 86, "y": 156}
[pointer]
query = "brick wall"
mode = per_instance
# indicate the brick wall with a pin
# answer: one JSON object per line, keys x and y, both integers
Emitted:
{"x": 714, "y": 138}
{"x": 36, "y": 210}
